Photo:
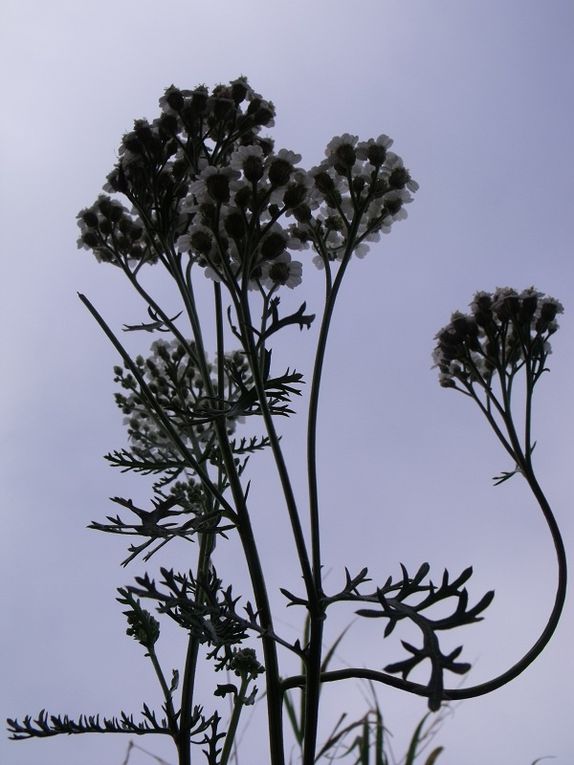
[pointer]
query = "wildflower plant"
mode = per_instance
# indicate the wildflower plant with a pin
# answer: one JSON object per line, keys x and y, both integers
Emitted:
{"x": 201, "y": 193}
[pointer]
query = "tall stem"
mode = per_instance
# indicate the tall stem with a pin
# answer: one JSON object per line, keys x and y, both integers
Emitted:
{"x": 316, "y": 608}
{"x": 276, "y": 450}
{"x": 190, "y": 669}
{"x": 274, "y": 693}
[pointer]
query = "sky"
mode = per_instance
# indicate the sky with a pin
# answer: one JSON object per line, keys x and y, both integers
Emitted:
{"x": 477, "y": 97}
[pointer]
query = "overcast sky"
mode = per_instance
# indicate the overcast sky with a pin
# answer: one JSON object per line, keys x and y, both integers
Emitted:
{"x": 477, "y": 96}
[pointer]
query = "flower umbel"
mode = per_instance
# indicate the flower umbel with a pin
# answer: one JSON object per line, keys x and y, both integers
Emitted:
{"x": 504, "y": 331}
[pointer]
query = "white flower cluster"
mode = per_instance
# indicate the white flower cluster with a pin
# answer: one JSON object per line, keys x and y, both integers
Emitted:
{"x": 204, "y": 183}
{"x": 359, "y": 191}
{"x": 504, "y": 330}
{"x": 235, "y": 231}
{"x": 114, "y": 235}
{"x": 174, "y": 380}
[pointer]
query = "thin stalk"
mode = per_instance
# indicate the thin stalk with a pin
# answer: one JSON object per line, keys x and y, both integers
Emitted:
{"x": 316, "y": 608}
{"x": 233, "y": 723}
{"x": 190, "y": 669}
{"x": 272, "y": 676}
{"x": 247, "y": 538}
{"x": 250, "y": 346}
{"x": 170, "y": 711}
{"x": 274, "y": 694}
{"x": 452, "y": 694}
{"x": 243, "y": 522}
{"x": 312, "y": 594}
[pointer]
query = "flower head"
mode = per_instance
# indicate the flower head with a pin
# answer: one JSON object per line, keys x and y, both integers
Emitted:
{"x": 505, "y": 331}
{"x": 282, "y": 272}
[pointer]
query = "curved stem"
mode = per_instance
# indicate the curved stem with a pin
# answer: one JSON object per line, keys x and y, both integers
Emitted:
{"x": 453, "y": 694}
{"x": 317, "y": 608}
{"x": 312, "y": 421}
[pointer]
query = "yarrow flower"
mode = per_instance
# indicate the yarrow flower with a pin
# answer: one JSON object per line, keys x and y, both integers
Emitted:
{"x": 205, "y": 183}
{"x": 176, "y": 382}
{"x": 114, "y": 235}
{"x": 214, "y": 184}
{"x": 505, "y": 331}
{"x": 341, "y": 154}
{"x": 374, "y": 150}
{"x": 282, "y": 271}
{"x": 396, "y": 174}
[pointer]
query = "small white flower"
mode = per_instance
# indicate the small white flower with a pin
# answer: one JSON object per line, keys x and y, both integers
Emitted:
{"x": 340, "y": 140}
{"x": 531, "y": 292}
{"x": 174, "y": 95}
{"x": 201, "y": 187}
{"x": 383, "y": 141}
{"x": 393, "y": 165}
{"x": 289, "y": 156}
{"x": 361, "y": 250}
{"x": 211, "y": 273}
{"x": 243, "y": 153}
{"x": 282, "y": 271}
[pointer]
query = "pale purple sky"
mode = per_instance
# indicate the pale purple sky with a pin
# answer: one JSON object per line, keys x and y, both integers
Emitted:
{"x": 478, "y": 98}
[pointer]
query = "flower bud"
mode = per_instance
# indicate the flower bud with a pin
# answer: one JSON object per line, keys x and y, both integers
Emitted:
{"x": 393, "y": 205}
{"x": 376, "y": 154}
{"x": 239, "y": 91}
{"x": 235, "y": 225}
{"x": 199, "y": 101}
{"x": 399, "y": 178}
{"x": 302, "y": 213}
{"x": 218, "y": 187}
{"x": 548, "y": 310}
{"x": 168, "y": 124}
{"x": 253, "y": 169}
{"x": 90, "y": 239}
{"x": 324, "y": 182}
{"x": 345, "y": 156}
{"x": 279, "y": 272}
{"x": 201, "y": 241}
{"x": 279, "y": 172}
{"x": 174, "y": 98}
{"x": 116, "y": 212}
{"x": 243, "y": 197}
{"x": 273, "y": 245}
{"x": 294, "y": 195}
{"x": 90, "y": 218}
{"x": 222, "y": 108}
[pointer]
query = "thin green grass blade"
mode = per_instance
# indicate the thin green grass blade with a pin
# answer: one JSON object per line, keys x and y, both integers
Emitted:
{"x": 337, "y": 735}
{"x": 365, "y": 743}
{"x": 415, "y": 740}
{"x": 291, "y": 714}
{"x": 332, "y": 649}
{"x": 380, "y": 757}
{"x": 432, "y": 758}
